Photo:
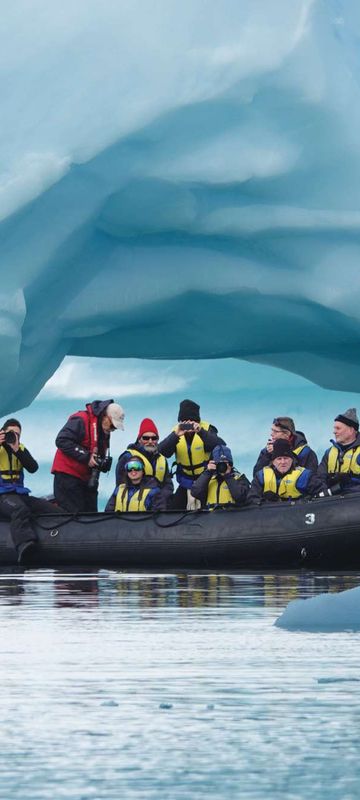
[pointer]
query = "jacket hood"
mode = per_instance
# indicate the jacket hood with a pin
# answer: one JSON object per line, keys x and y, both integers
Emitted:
{"x": 98, "y": 406}
{"x": 299, "y": 439}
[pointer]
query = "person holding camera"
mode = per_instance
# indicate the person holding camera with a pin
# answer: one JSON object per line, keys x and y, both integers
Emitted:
{"x": 138, "y": 491}
{"x": 83, "y": 453}
{"x": 191, "y": 440}
{"x": 220, "y": 485}
{"x": 284, "y": 428}
{"x": 146, "y": 447}
{"x": 15, "y": 502}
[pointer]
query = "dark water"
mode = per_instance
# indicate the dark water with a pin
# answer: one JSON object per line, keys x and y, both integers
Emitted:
{"x": 173, "y": 686}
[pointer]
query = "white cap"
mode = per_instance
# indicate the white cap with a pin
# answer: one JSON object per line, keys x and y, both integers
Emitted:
{"x": 116, "y": 414}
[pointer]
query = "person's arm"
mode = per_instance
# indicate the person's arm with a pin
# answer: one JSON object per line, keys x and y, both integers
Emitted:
{"x": 156, "y": 500}
{"x": 238, "y": 486}
{"x": 69, "y": 440}
{"x": 316, "y": 486}
{"x": 199, "y": 488}
{"x": 110, "y": 505}
{"x": 322, "y": 472}
{"x": 26, "y": 460}
{"x": 167, "y": 446}
{"x": 256, "y": 491}
{"x": 264, "y": 460}
{"x": 311, "y": 461}
{"x": 210, "y": 438}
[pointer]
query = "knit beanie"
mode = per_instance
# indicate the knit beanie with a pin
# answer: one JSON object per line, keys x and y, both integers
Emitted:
{"x": 189, "y": 410}
{"x": 221, "y": 453}
{"x": 349, "y": 418}
{"x": 281, "y": 448}
{"x": 147, "y": 426}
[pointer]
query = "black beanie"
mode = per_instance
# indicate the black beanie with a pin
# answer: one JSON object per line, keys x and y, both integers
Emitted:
{"x": 349, "y": 418}
{"x": 189, "y": 410}
{"x": 281, "y": 448}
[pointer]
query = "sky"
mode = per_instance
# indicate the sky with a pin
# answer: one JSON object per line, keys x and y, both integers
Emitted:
{"x": 240, "y": 398}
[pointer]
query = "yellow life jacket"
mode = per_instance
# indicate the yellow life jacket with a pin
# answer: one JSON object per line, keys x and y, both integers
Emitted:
{"x": 160, "y": 468}
{"x": 349, "y": 463}
{"x": 137, "y": 501}
{"x": 194, "y": 458}
{"x": 287, "y": 486}
{"x": 299, "y": 449}
{"x": 11, "y": 469}
{"x": 219, "y": 493}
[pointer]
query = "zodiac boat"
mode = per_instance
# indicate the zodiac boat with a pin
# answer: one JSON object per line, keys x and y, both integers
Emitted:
{"x": 317, "y": 534}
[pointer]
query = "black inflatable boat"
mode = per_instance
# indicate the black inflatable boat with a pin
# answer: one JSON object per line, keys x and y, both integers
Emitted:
{"x": 322, "y": 534}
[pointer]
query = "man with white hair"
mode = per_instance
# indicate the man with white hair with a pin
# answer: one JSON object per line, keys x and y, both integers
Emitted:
{"x": 83, "y": 452}
{"x": 340, "y": 464}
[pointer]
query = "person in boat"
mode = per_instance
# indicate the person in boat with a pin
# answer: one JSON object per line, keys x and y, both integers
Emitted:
{"x": 83, "y": 451}
{"x": 284, "y": 428}
{"x": 15, "y": 502}
{"x": 340, "y": 464}
{"x": 284, "y": 479}
{"x": 192, "y": 441}
{"x": 138, "y": 491}
{"x": 220, "y": 485}
{"x": 146, "y": 447}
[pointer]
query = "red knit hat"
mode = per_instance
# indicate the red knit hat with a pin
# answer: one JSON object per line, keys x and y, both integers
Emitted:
{"x": 147, "y": 426}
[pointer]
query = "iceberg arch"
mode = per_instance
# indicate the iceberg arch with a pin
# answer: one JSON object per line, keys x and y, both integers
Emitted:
{"x": 180, "y": 184}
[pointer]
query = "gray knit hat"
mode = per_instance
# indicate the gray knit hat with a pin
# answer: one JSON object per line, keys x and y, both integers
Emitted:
{"x": 349, "y": 418}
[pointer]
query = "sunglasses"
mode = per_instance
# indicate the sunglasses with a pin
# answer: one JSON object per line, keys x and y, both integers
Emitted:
{"x": 150, "y": 438}
{"x": 136, "y": 465}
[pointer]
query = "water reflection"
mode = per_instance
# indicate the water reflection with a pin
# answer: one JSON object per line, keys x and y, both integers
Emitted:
{"x": 165, "y": 591}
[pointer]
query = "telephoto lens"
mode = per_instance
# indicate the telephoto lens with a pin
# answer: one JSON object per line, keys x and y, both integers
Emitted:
{"x": 221, "y": 468}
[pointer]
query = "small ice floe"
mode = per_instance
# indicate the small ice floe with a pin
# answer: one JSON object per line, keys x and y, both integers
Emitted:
{"x": 326, "y": 612}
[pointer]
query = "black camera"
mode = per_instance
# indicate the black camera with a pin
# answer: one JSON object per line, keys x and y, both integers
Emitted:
{"x": 102, "y": 465}
{"x": 10, "y": 437}
{"x": 221, "y": 468}
{"x": 186, "y": 426}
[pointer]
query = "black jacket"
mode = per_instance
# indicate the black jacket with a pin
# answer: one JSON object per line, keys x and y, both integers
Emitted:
{"x": 238, "y": 486}
{"x": 307, "y": 458}
{"x": 314, "y": 486}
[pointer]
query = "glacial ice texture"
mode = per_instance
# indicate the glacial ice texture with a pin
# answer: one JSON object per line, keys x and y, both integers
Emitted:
{"x": 179, "y": 181}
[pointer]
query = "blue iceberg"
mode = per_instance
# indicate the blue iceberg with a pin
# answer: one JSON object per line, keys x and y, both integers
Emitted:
{"x": 323, "y": 613}
{"x": 180, "y": 183}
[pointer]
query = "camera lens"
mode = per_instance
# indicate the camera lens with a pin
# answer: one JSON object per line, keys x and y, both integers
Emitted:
{"x": 10, "y": 437}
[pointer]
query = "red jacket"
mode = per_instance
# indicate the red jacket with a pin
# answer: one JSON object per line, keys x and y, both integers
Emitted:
{"x": 78, "y": 439}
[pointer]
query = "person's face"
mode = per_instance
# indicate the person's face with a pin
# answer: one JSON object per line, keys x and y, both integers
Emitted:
{"x": 344, "y": 434}
{"x": 135, "y": 475}
{"x": 107, "y": 425}
{"x": 149, "y": 441}
{"x": 278, "y": 433}
{"x": 282, "y": 464}
{"x": 14, "y": 428}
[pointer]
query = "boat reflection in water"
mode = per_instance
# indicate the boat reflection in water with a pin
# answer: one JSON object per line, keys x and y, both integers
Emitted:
{"x": 144, "y": 591}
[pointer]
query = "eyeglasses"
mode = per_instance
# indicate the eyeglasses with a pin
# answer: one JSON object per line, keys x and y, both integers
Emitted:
{"x": 134, "y": 465}
{"x": 281, "y": 425}
{"x": 150, "y": 438}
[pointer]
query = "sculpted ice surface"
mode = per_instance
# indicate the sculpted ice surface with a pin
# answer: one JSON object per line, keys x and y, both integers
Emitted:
{"x": 186, "y": 186}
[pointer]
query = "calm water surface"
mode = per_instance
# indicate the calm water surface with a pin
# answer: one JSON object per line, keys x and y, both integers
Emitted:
{"x": 173, "y": 686}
